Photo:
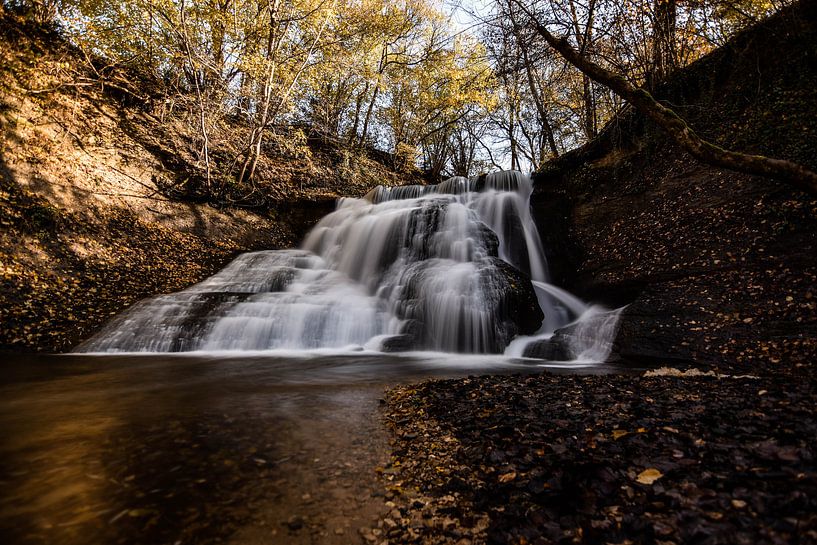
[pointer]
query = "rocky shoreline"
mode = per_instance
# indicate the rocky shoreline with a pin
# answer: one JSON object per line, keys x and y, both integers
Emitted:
{"x": 676, "y": 457}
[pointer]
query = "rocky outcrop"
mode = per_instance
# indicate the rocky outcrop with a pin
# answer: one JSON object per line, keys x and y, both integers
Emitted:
{"x": 481, "y": 311}
{"x": 555, "y": 348}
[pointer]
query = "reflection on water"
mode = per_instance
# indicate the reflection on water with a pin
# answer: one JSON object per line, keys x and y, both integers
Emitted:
{"x": 197, "y": 448}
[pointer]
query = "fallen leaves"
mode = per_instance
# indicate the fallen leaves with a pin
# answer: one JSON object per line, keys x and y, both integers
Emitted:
{"x": 692, "y": 373}
{"x": 649, "y": 476}
{"x": 566, "y": 469}
{"x": 672, "y": 372}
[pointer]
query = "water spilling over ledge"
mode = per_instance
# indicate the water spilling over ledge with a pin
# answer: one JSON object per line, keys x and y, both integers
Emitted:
{"x": 456, "y": 267}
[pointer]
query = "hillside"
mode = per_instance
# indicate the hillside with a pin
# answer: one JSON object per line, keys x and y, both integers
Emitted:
{"x": 719, "y": 268}
{"x": 94, "y": 201}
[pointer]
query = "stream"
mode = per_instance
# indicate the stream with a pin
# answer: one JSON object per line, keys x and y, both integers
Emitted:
{"x": 205, "y": 448}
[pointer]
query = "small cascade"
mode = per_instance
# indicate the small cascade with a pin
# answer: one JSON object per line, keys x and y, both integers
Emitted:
{"x": 456, "y": 267}
{"x": 591, "y": 337}
{"x": 564, "y": 306}
{"x": 261, "y": 301}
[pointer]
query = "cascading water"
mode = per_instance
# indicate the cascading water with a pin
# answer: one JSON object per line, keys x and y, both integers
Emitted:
{"x": 455, "y": 267}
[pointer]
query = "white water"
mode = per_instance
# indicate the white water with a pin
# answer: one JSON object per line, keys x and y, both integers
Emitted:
{"x": 420, "y": 267}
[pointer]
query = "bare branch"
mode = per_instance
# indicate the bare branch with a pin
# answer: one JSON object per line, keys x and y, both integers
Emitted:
{"x": 795, "y": 174}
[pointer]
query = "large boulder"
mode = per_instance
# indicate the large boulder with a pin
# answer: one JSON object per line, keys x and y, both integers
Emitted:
{"x": 468, "y": 307}
{"x": 556, "y": 348}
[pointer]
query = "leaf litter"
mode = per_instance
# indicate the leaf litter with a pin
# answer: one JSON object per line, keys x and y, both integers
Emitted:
{"x": 603, "y": 459}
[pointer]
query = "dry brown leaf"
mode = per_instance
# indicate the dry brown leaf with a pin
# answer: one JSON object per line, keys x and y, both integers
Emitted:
{"x": 618, "y": 434}
{"x": 649, "y": 476}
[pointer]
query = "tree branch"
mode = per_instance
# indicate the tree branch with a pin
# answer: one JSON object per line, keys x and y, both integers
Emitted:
{"x": 794, "y": 174}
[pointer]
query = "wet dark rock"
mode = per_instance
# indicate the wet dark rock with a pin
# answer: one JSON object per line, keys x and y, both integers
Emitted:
{"x": 517, "y": 250}
{"x": 554, "y": 349}
{"x": 419, "y": 237}
{"x": 559, "y": 347}
{"x": 399, "y": 343}
{"x": 412, "y": 328}
{"x": 517, "y": 299}
{"x": 500, "y": 301}
{"x": 489, "y": 240}
{"x": 202, "y": 310}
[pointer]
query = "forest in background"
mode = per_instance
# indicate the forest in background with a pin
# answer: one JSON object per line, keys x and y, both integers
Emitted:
{"x": 405, "y": 77}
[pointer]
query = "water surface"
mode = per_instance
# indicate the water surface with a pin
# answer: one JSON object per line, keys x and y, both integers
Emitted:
{"x": 195, "y": 448}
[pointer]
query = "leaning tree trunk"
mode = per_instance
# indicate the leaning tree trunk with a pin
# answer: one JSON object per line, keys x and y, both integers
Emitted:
{"x": 796, "y": 175}
{"x": 536, "y": 95}
{"x": 364, "y": 134}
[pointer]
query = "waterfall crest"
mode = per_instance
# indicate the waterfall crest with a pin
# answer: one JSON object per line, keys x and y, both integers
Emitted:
{"x": 456, "y": 267}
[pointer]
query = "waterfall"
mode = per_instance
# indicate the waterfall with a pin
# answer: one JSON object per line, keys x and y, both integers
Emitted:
{"x": 456, "y": 267}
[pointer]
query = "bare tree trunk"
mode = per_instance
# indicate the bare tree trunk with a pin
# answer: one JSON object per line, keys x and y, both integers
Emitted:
{"x": 512, "y": 134}
{"x": 384, "y": 57}
{"x": 219, "y": 33}
{"x": 269, "y": 115}
{"x": 551, "y": 139}
{"x": 358, "y": 106}
{"x": 530, "y": 154}
{"x": 490, "y": 154}
{"x": 796, "y": 175}
{"x": 459, "y": 162}
{"x": 199, "y": 98}
{"x": 589, "y": 109}
{"x": 540, "y": 108}
{"x": 534, "y": 90}
{"x": 664, "y": 58}
{"x": 261, "y": 118}
{"x": 365, "y": 131}
{"x": 583, "y": 40}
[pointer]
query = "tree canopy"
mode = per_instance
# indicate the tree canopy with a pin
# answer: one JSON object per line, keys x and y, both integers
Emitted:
{"x": 401, "y": 76}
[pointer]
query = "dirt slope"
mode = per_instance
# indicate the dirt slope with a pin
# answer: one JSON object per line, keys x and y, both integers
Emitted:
{"x": 719, "y": 267}
{"x": 85, "y": 230}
